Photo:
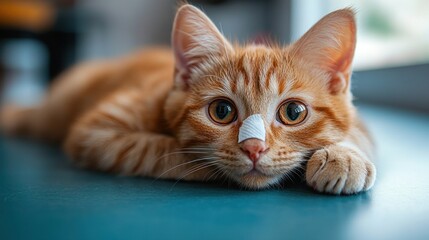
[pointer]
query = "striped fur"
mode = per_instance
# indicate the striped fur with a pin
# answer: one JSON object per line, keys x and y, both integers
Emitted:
{"x": 133, "y": 116}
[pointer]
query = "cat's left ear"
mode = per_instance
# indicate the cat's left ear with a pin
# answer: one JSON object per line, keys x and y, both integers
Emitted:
{"x": 194, "y": 38}
{"x": 330, "y": 45}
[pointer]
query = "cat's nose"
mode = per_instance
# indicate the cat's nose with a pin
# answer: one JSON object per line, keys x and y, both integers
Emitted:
{"x": 254, "y": 148}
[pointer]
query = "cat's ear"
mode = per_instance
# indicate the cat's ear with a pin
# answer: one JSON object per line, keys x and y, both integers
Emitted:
{"x": 330, "y": 45}
{"x": 194, "y": 39}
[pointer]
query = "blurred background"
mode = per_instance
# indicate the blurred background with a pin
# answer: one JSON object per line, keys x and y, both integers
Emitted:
{"x": 39, "y": 39}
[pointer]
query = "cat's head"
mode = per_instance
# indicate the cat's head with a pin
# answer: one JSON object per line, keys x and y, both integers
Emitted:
{"x": 297, "y": 97}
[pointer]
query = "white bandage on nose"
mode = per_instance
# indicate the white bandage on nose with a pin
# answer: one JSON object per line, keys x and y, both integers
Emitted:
{"x": 253, "y": 127}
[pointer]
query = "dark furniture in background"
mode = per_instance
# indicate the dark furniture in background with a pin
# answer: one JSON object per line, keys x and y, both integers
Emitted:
{"x": 55, "y": 26}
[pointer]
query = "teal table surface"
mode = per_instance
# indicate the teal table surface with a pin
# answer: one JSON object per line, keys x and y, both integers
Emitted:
{"x": 42, "y": 196}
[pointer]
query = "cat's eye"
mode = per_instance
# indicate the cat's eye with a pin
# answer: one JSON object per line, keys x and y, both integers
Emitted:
{"x": 222, "y": 111}
{"x": 292, "y": 112}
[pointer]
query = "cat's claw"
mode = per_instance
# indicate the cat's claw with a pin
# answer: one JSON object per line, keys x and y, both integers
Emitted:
{"x": 340, "y": 170}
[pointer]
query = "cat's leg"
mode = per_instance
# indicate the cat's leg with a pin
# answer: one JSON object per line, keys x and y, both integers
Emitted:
{"x": 73, "y": 92}
{"x": 42, "y": 122}
{"x": 139, "y": 153}
{"x": 345, "y": 167}
{"x": 16, "y": 120}
{"x": 115, "y": 137}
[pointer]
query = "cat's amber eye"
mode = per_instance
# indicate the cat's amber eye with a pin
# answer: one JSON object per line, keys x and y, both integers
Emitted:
{"x": 292, "y": 112}
{"x": 222, "y": 111}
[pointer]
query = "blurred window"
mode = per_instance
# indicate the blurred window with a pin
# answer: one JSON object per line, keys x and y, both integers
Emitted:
{"x": 390, "y": 32}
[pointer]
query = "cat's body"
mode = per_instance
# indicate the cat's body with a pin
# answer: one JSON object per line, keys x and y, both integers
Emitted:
{"x": 131, "y": 116}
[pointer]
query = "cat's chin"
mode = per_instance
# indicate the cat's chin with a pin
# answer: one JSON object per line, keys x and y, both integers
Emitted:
{"x": 257, "y": 180}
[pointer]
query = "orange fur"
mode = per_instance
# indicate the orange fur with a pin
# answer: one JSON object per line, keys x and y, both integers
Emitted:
{"x": 146, "y": 114}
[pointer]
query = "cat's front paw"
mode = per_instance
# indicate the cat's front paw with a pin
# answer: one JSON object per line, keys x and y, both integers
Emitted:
{"x": 340, "y": 170}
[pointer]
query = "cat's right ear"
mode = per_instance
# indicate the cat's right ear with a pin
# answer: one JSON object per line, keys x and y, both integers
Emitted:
{"x": 194, "y": 39}
{"x": 330, "y": 45}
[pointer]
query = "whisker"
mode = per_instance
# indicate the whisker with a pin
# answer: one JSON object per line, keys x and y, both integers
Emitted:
{"x": 197, "y": 168}
{"x": 205, "y": 179}
{"x": 185, "y": 163}
{"x": 198, "y": 148}
{"x": 188, "y": 151}
{"x": 177, "y": 153}
{"x": 223, "y": 175}
{"x": 293, "y": 171}
{"x": 214, "y": 173}
{"x": 193, "y": 170}
{"x": 217, "y": 172}
{"x": 288, "y": 177}
{"x": 297, "y": 171}
{"x": 191, "y": 150}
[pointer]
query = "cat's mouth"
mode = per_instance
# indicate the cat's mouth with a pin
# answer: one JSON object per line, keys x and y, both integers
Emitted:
{"x": 256, "y": 179}
{"x": 256, "y": 173}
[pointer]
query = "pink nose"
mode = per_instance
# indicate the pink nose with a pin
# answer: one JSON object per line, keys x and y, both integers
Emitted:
{"x": 253, "y": 148}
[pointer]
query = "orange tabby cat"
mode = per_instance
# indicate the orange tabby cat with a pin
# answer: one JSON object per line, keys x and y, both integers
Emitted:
{"x": 181, "y": 114}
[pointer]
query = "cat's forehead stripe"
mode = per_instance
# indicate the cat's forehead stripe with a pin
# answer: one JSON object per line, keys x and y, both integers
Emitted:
{"x": 240, "y": 69}
{"x": 258, "y": 75}
{"x": 242, "y": 82}
{"x": 256, "y": 70}
{"x": 269, "y": 72}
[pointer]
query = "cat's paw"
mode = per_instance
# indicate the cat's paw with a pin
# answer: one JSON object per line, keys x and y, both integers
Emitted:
{"x": 10, "y": 119}
{"x": 340, "y": 170}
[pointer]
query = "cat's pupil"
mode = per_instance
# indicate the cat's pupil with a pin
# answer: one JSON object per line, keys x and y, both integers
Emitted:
{"x": 223, "y": 109}
{"x": 293, "y": 111}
